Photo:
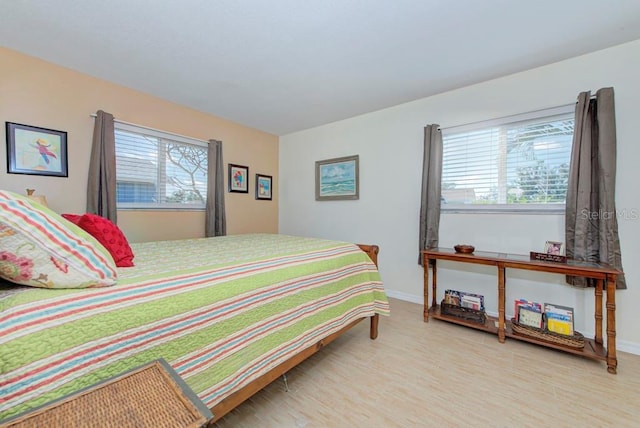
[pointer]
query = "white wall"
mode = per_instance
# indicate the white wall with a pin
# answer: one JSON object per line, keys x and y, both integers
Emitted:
{"x": 389, "y": 143}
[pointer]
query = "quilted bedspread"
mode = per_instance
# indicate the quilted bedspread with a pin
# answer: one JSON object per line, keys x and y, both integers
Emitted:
{"x": 222, "y": 311}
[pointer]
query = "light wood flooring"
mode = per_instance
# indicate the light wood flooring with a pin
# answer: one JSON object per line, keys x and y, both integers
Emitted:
{"x": 438, "y": 374}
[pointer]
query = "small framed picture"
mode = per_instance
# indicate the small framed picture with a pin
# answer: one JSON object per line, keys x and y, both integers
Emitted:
{"x": 554, "y": 248}
{"x": 238, "y": 178}
{"x": 263, "y": 187}
{"x": 529, "y": 317}
{"x": 36, "y": 151}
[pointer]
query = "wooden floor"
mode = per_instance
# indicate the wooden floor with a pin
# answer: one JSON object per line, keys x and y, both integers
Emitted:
{"x": 437, "y": 374}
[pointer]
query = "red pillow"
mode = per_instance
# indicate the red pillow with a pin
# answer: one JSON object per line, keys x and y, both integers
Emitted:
{"x": 108, "y": 234}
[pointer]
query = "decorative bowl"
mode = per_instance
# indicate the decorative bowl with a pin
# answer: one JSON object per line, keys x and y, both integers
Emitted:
{"x": 464, "y": 248}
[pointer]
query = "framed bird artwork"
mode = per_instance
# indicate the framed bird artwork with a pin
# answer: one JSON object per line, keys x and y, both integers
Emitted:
{"x": 36, "y": 151}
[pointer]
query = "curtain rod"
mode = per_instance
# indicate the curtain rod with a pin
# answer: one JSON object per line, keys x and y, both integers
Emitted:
{"x": 93, "y": 115}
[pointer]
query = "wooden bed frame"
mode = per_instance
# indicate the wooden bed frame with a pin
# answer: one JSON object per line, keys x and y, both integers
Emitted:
{"x": 235, "y": 399}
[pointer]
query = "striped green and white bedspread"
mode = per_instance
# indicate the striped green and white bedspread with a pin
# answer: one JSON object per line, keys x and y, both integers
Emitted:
{"x": 222, "y": 311}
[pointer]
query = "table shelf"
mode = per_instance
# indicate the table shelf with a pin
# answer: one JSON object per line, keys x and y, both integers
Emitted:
{"x": 591, "y": 349}
{"x": 488, "y": 325}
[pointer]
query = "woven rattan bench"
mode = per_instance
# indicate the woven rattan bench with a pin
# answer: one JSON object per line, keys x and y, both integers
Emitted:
{"x": 152, "y": 395}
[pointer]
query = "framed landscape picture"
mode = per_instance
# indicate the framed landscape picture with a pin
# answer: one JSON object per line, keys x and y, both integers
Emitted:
{"x": 238, "y": 178}
{"x": 36, "y": 151}
{"x": 337, "y": 179}
{"x": 263, "y": 187}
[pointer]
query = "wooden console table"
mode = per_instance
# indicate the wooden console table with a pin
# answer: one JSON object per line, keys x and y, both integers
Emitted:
{"x": 594, "y": 348}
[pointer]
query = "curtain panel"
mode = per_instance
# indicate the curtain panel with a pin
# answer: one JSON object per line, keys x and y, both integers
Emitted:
{"x": 215, "y": 216}
{"x": 101, "y": 183}
{"x": 431, "y": 191}
{"x": 591, "y": 228}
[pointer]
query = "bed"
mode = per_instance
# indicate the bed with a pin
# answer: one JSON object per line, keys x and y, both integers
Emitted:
{"x": 230, "y": 314}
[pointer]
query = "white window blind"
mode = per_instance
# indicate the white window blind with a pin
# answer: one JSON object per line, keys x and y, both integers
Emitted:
{"x": 157, "y": 170}
{"x": 519, "y": 163}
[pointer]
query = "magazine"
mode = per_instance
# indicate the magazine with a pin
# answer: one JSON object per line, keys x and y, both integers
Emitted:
{"x": 559, "y": 319}
{"x": 452, "y": 297}
{"x": 532, "y": 306}
{"x": 464, "y": 299}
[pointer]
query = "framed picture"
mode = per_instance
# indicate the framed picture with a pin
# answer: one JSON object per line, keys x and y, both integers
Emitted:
{"x": 554, "y": 248}
{"x": 337, "y": 179}
{"x": 36, "y": 151}
{"x": 263, "y": 187}
{"x": 238, "y": 178}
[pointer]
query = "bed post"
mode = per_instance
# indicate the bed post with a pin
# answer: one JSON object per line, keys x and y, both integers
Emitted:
{"x": 372, "y": 251}
{"x": 373, "y": 327}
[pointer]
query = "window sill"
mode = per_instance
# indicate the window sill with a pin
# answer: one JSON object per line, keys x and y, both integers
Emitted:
{"x": 503, "y": 209}
{"x": 160, "y": 208}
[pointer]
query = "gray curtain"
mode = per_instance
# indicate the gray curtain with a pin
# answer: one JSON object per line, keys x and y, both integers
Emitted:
{"x": 101, "y": 184}
{"x": 216, "y": 219}
{"x": 431, "y": 192}
{"x": 591, "y": 229}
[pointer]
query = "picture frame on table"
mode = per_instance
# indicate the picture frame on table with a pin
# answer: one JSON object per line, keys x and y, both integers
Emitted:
{"x": 264, "y": 187}
{"x": 555, "y": 248}
{"x": 238, "y": 178}
{"x": 338, "y": 179}
{"x": 36, "y": 151}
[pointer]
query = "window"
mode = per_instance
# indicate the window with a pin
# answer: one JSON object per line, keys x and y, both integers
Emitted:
{"x": 159, "y": 170}
{"x": 519, "y": 163}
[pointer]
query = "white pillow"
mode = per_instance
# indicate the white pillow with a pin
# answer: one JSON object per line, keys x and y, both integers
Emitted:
{"x": 39, "y": 248}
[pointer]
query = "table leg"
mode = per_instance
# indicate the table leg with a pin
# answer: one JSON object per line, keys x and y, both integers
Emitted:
{"x": 501, "y": 303}
{"x": 434, "y": 281}
{"x": 598, "y": 315}
{"x": 425, "y": 265}
{"x": 612, "y": 360}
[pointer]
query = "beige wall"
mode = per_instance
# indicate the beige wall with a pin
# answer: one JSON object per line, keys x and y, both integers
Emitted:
{"x": 39, "y": 93}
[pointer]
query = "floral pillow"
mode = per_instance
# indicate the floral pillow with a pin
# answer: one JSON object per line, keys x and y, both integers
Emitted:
{"x": 108, "y": 234}
{"x": 40, "y": 249}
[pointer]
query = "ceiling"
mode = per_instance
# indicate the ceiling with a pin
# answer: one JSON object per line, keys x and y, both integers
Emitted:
{"x": 286, "y": 65}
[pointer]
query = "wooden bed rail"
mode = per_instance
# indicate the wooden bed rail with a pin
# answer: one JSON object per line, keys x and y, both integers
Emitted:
{"x": 235, "y": 399}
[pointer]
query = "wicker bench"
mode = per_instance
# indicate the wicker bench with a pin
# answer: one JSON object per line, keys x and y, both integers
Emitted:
{"x": 152, "y": 395}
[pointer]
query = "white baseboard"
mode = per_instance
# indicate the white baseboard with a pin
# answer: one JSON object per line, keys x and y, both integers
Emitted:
{"x": 405, "y": 297}
{"x": 630, "y": 347}
{"x": 621, "y": 345}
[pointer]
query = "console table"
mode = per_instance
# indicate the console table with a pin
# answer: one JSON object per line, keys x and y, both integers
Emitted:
{"x": 594, "y": 348}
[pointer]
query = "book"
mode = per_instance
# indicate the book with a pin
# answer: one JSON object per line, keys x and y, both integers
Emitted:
{"x": 452, "y": 297}
{"x": 471, "y": 302}
{"x": 559, "y": 325}
{"x": 559, "y": 319}
{"x": 528, "y": 304}
{"x": 529, "y": 317}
